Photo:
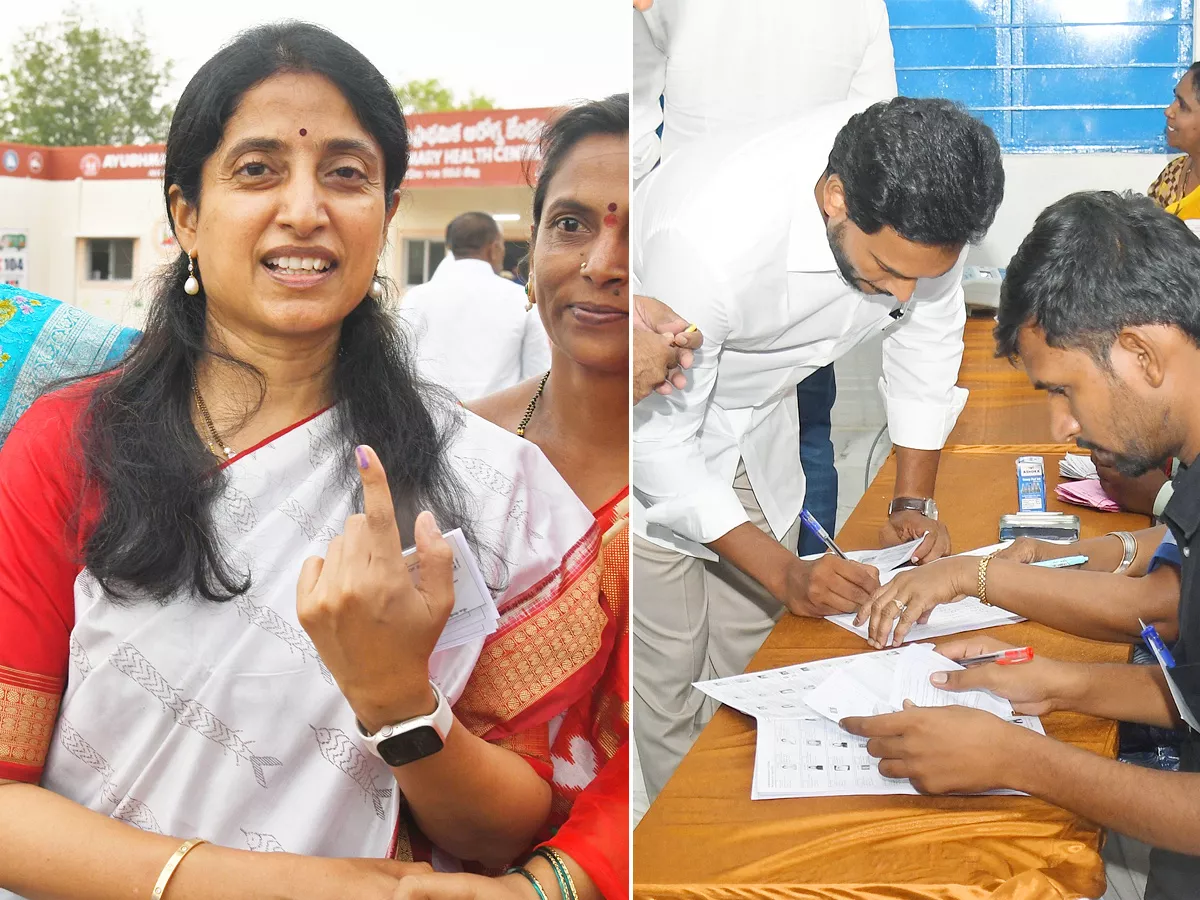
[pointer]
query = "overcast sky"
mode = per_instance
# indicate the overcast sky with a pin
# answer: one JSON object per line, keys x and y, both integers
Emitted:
{"x": 521, "y": 53}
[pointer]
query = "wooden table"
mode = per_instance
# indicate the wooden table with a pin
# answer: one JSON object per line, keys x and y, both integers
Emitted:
{"x": 704, "y": 839}
{"x": 1003, "y": 407}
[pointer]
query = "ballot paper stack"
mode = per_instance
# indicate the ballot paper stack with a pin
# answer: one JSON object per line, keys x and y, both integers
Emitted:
{"x": 801, "y": 751}
{"x": 474, "y": 615}
{"x": 1075, "y": 466}
{"x": 968, "y": 614}
{"x": 1084, "y": 488}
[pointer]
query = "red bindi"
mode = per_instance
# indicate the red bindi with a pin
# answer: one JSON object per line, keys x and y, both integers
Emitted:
{"x": 303, "y": 132}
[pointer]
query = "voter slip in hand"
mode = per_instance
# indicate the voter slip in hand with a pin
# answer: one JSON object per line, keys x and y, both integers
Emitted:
{"x": 474, "y": 614}
{"x": 1075, "y": 466}
{"x": 874, "y": 683}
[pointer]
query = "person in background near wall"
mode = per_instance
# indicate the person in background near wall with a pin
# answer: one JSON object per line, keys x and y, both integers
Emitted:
{"x": 1177, "y": 187}
{"x": 1101, "y": 306}
{"x": 472, "y": 332}
{"x": 863, "y": 233}
{"x": 790, "y": 58}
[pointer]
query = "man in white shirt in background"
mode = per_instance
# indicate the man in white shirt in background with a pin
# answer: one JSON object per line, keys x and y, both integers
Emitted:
{"x": 720, "y": 65}
{"x": 787, "y": 247}
{"x": 471, "y": 329}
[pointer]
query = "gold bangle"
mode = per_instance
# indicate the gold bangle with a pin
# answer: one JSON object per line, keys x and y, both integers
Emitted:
{"x": 168, "y": 870}
{"x": 566, "y": 884}
{"x": 983, "y": 567}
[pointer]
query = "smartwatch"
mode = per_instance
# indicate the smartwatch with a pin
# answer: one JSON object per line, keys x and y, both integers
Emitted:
{"x": 406, "y": 742}
{"x": 924, "y": 505}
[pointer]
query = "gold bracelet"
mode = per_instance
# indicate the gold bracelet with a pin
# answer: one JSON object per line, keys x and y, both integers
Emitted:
{"x": 983, "y": 566}
{"x": 168, "y": 870}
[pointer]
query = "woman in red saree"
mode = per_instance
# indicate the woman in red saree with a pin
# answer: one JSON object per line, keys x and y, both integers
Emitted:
{"x": 578, "y": 414}
{"x": 206, "y": 620}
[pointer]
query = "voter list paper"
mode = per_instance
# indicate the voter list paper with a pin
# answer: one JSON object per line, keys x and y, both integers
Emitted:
{"x": 813, "y": 757}
{"x": 474, "y": 614}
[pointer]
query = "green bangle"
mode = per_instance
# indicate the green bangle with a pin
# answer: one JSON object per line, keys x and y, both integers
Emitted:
{"x": 531, "y": 878}
{"x": 566, "y": 884}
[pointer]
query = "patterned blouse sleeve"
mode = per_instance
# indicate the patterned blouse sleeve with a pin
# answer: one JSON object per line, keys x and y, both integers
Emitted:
{"x": 39, "y": 502}
{"x": 1162, "y": 190}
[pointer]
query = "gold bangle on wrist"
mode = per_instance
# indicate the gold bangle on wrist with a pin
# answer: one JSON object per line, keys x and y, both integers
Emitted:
{"x": 983, "y": 567}
{"x": 566, "y": 884}
{"x": 168, "y": 870}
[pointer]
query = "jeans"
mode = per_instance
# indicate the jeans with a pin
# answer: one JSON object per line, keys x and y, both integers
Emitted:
{"x": 814, "y": 398}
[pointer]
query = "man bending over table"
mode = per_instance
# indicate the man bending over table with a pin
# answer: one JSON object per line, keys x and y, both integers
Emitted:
{"x": 787, "y": 246}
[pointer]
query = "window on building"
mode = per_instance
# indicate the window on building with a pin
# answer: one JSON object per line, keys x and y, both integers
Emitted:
{"x": 110, "y": 259}
{"x": 422, "y": 258}
{"x": 1049, "y": 75}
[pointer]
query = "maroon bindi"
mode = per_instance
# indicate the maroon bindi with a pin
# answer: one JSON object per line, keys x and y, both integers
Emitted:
{"x": 303, "y": 132}
{"x": 612, "y": 207}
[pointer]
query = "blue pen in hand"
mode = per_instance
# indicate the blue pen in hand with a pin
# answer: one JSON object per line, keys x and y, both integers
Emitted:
{"x": 815, "y": 527}
{"x": 1150, "y": 636}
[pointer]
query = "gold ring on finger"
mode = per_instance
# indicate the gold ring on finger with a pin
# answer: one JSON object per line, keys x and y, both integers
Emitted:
{"x": 901, "y": 606}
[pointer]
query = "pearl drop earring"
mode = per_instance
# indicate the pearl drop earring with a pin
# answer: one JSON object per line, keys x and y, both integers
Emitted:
{"x": 529, "y": 301}
{"x": 191, "y": 286}
{"x": 377, "y": 287}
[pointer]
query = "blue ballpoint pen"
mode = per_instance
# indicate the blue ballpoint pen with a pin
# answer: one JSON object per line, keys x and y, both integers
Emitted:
{"x": 1150, "y": 636}
{"x": 815, "y": 527}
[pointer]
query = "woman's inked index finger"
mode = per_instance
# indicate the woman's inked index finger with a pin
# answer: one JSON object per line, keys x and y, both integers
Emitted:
{"x": 377, "y": 496}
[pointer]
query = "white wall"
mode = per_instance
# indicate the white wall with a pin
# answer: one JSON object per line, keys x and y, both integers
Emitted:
{"x": 1035, "y": 180}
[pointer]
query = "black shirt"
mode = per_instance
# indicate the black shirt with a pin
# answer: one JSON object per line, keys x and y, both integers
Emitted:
{"x": 1174, "y": 876}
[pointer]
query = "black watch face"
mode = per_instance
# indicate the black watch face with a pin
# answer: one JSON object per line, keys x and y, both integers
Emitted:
{"x": 410, "y": 746}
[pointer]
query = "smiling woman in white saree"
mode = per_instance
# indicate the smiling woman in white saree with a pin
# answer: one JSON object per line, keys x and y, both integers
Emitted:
{"x": 201, "y": 632}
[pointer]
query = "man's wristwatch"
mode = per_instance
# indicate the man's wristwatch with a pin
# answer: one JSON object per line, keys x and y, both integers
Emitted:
{"x": 924, "y": 505}
{"x": 406, "y": 742}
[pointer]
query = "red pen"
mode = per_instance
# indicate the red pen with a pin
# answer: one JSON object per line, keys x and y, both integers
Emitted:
{"x": 1000, "y": 657}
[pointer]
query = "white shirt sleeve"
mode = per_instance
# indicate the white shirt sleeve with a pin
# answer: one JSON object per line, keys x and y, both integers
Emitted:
{"x": 876, "y": 75}
{"x": 921, "y": 357}
{"x": 649, "y": 82}
{"x": 535, "y": 347}
{"x": 669, "y": 468}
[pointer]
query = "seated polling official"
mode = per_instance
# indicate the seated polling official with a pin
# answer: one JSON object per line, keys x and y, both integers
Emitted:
{"x": 1102, "y": 308}
{"x": 208, "y": 624}
{"x": 1095, "y": 602}
{"x": 829, "y": 230}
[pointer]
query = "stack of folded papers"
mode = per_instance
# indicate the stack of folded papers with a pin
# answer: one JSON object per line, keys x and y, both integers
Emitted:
{"x": 1086, "y": 493}
{"x": 1075, "y": 466}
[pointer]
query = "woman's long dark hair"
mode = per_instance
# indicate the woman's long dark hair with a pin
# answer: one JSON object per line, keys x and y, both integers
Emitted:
{"x": 156, "y": 534}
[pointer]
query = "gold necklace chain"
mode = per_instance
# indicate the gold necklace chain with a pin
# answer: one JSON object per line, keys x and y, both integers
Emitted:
{"x": 532, "y": 406}
{"x": 212, "y": 429}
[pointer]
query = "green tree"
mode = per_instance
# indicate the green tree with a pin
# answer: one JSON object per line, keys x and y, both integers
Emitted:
{"x": 74, "y": 83}
{"x": 430, "y": 95}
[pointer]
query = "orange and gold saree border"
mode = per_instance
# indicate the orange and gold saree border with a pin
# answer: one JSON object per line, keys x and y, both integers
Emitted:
{"x": 28, "y": 712}
{"x": 547, "y": 635}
